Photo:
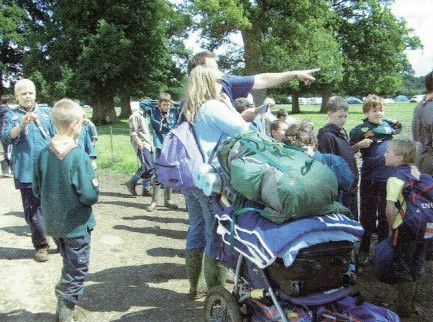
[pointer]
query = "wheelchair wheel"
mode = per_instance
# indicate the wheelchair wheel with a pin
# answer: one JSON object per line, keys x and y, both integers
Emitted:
{"x": 221, "y": 306}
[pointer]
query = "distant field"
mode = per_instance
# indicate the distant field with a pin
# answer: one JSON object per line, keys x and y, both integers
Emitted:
{"x": 116, "y": 153}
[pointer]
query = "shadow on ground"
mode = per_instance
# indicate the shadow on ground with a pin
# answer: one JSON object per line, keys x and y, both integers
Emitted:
{"x": 120, "y": 288}
{"x": 169, "y": 233}
{"x": 15, "y": 253}
{"x": 24, "y": 315}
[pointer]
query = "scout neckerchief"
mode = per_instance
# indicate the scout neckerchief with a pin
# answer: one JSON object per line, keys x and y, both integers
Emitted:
{"x": 164, "y": 117}
{"x": 37, "y": 122}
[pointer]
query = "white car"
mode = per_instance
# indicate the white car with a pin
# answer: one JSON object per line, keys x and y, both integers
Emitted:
{"x": 416, "y": 98}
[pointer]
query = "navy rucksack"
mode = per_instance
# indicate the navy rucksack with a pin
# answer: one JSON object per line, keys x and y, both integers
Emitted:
{"x": 180, "y": 155}
{"x": 418, "y": 195}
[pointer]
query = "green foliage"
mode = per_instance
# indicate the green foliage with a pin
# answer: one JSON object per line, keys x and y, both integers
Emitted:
{"x": 373, "y": 41}
{"x": 98, "y": 50}
{"x": 12, "y": 20}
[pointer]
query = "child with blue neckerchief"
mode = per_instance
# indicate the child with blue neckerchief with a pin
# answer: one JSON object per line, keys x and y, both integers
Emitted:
{"x": 371, "y": 138}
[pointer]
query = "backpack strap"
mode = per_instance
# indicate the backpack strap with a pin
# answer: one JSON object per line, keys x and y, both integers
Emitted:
{"x": 191, "y": 126}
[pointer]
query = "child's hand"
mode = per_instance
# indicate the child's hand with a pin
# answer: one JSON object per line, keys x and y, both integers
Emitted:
{"x": 396, "y": 125}
{"x": 365, "y": 143}
{"x": 29, "y": 117}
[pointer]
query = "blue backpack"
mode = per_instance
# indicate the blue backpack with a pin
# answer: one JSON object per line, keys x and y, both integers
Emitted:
{"x": 418, "y": 195}
{"x": 180, "y": 155}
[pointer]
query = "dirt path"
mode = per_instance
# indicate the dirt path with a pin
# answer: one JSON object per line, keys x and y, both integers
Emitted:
{"x": 136, "y": 269}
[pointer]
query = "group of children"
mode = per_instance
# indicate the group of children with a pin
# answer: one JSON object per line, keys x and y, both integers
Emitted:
{"x": 47, "y": 159}
{"x": 383, "y": 162}
{"x": 54, "y": 172}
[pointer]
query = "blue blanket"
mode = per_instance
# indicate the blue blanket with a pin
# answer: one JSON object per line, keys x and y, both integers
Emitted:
{"x": 262, "y": 241}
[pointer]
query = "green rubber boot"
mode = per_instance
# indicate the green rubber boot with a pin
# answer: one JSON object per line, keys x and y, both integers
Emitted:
{"x": 63, "y": 312}
{"x": 194, "y": 265}
{"x": 167, "y": 199}
{"x": 155, "y": 193}
{"x": 214, "y": 273}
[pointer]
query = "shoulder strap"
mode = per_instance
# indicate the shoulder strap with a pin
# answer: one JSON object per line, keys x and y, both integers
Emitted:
{"x": 197, "y": 142}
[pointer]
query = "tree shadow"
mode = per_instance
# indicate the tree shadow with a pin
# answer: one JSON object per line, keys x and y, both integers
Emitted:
{"x": 169, "y": 233}
{"x": 166, "y": 252}
{"x": 121, "y": 288}
{"x": 18, "y": 214}
{"x": 24, "y": 315}
{"x": 10, "y": 253}
{"x": 116, "y": 194}
{"x": 195, "y": 314}
{"x": 18, "y": 230}
{"x": 125, "y": 204}
{"x": 164, "y": 220}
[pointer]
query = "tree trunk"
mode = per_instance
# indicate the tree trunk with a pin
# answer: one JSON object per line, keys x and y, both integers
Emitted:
{"x": 326, "y": 94}
{"x": 125, "y": 106}
{"x": 295, "y": 103}
{"x": 253, "y": 58}
{"x": 103, "y": 105}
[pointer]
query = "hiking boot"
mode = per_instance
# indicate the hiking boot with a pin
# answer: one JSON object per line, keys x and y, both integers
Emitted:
{"x": 130, "y": 185}
{"x": 146, "y": 192}
{"x": 41, "y": 255}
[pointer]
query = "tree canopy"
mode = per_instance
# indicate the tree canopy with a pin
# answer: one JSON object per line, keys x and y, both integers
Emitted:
{"x": 358, "y": 44}
{"x": 96, "y": 50}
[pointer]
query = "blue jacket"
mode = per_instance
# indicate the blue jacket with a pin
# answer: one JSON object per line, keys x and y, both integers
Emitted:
{"x": 340, "y": 168}
{"x": 161, "y": 123}
{"x": 85, "y": 141}
{"x": 27, "y": 146}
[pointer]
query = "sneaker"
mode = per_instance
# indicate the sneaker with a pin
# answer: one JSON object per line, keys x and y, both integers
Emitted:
{"x": 41, "y": 255}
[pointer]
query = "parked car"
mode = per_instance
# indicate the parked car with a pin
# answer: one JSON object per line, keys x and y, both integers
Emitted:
{"x": 303, "y": 100}
{"x": 388, "y": 100}
{"x": 416, "y": 98}
{"x": 353, "y": 100}
{"x": 314, "y": 100}
{"x": 401, "y": 98}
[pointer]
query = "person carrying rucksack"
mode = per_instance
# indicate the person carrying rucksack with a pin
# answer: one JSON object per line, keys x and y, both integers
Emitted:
{"x": 409, "y": 246}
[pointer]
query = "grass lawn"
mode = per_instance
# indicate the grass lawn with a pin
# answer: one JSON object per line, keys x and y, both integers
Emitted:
{"x": 115, "y": 151}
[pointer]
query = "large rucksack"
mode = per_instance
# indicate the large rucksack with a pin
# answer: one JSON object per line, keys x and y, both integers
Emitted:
{"x": 418, "y": 196}
{"x": 288, "y": 182}
{"x": 180, "y": 155}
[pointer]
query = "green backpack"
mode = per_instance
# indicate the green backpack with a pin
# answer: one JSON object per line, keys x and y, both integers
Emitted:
{"x": 287, "y": 181}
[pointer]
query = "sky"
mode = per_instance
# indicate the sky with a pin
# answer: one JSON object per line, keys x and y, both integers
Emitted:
{"x": 417, "y": 14}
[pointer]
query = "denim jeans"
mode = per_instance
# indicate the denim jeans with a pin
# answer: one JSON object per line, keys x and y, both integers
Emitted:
{"x": 76, "y": 254}
{"x": 33, "y": 216}
{"x": 201, "y": 222}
